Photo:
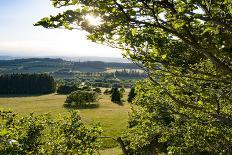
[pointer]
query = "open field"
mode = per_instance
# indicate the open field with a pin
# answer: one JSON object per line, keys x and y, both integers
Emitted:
{"x": 112, "y": 117}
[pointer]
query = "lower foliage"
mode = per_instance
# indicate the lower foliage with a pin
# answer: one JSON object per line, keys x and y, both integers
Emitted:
{"x": 157, "y": 125}
{"x": 45, "y": 135}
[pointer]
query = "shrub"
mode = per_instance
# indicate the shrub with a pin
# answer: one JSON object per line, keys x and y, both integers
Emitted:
{"x": 116, "y": 95}
{"x": 45, "y": 135}
{"x": 86, "y": 88}
{"x": 131, "y": 95}
{"x": 81, "y": 99}
{"x": 66, "y": 89}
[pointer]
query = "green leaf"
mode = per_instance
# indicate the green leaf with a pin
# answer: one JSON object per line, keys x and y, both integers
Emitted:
{"x": 164, "y": 56}
{"x": 208, "y": 29}
{"x": 134, "y": 31}
{"x": 200, "y": 103}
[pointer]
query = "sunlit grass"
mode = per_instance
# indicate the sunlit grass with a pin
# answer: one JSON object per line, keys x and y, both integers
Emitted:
{"x": 112, "y": 117}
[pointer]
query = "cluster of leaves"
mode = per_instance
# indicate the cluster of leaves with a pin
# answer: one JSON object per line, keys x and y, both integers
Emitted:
{"x": 185, "y": 49}
{"x": 27, "y": 84}
{"x": 81, "y": 99}
{"x": 44, "y": 135}
{"x": 116, "y": 95}
{"x": 157, "y": 124}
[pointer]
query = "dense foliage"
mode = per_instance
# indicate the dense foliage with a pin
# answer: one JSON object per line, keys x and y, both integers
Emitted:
{"x": 26, "y": 84}
{"x": 44, "y": 135}
{"x": 131, "y": 95}
{"x": 81, "y": 99}
{"x": 116, "y": 96}
{"x": 66, "y": 89}
{"x": 185, "y": 49}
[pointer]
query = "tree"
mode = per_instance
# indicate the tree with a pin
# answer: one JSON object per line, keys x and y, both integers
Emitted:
{"x": 116, "y": 95}
{"x": 81, "y": 99}
{"x": 185, "y": 49}
{"x": 131, "y": 95}
{"x": 66, "y": 89}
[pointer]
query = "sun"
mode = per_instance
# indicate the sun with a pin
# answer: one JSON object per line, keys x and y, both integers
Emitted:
{"x": 93, "y": 20}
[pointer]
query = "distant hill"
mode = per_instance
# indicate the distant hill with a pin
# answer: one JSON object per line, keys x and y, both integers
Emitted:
{"x": 3, "y": 57}
{"x": 51, "y": 65}
{"x": 103, "y": 59}
{"x": 81, "y": 59}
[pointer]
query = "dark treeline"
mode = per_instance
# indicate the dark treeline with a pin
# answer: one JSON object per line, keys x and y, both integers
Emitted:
{"x": 29, "y": 60}
{"x": 26, "y": 84}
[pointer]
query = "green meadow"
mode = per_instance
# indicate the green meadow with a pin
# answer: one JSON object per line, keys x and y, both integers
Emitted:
{"x": 112, "y": 117}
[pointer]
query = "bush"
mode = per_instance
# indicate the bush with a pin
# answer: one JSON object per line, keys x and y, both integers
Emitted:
{"x": 131, "y": 95}
{"x": 81, "y": 99}
{"x": 45, "y": 135}
{"x": 86, "y": 88}
{"x": 66, "y": 89}
{"x": 116, "y": 96}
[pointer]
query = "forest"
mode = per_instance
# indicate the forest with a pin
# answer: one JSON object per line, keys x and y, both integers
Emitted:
{"x": 27, "y": 84}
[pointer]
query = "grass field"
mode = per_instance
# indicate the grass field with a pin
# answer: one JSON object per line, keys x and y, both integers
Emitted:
{"x": 112, "y": 117}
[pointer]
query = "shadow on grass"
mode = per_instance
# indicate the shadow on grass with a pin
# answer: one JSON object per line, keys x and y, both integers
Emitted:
{"x": 121, "y": 103}
{"x": 20, "y": 95}
{"x": 82, "y": 106}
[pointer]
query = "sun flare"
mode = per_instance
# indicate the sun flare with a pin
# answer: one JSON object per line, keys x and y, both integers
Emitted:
{"x": 93, "y": 20}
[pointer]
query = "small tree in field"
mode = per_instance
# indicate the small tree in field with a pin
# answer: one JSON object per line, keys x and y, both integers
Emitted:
{"x": 66, "y": 89}
{"x": 80, "y": 99}
{"x": 131, "y": 95}
{"x": 115, "y": 95}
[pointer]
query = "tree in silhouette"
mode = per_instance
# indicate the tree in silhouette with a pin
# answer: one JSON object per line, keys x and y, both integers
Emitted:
{"x": 131, "y": 95}
{"x": 115, "y": 95}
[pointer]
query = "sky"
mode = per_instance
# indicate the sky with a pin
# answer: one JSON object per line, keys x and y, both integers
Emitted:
{"x": 18, "y": 36}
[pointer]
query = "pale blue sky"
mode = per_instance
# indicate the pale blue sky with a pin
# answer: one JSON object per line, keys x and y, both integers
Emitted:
{"x": 19, "y": 37}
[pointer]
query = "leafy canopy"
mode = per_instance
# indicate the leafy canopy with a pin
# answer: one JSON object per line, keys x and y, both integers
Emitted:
{"x": 185, "y": 49}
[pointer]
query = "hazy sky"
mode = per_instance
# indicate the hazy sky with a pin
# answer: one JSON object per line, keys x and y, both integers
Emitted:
{"x": 18, "y": 36}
